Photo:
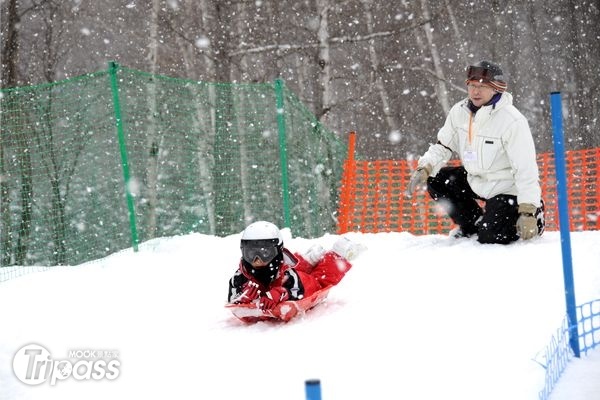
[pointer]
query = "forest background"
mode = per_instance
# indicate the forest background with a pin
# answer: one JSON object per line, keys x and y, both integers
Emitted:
{"x": 389, "y": 70}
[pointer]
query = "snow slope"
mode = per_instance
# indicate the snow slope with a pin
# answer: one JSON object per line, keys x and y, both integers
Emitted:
{"x": 418, "y": 317}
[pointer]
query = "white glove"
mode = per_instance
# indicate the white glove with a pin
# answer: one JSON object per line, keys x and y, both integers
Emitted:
{"x": 527, "y": 223}
{"x": 417, "y": 178}
{"x": 347, "y": 248}
{"x": 314, "y": 254}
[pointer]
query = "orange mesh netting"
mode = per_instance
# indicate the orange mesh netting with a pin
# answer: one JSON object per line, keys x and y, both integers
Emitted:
{"x": 372, "y": 195}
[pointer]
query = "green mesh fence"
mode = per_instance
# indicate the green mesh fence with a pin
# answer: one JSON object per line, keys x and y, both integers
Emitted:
{"x": 99, "y": 163}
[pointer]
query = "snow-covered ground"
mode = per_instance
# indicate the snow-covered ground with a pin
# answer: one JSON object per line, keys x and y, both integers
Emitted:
{"x": 417, "y": 317}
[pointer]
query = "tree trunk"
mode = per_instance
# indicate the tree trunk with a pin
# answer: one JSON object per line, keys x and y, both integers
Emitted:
{"x": 440, "y": 84}
{"x": 228, "y": 213}
{"x": 152, "y": 140}
{"x": 583, "y": 73}
{"x": 10, "y": 56}
{"x": 391, "y": 121}
{"x": 203, "y": 121}
{"x": 244, "y": 160}
{"x": 55, "y": 22}
{"x": 462, "y": 45}
{"x": 59, "y": 223}
{"x": 51, "y": 160}
{"x": 325, "y": 91}
{"x": 26, "y": 203}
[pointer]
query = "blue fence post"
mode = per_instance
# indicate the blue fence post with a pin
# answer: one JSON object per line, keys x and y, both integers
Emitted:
{"x": 563, "y": 213}
{"x": 313, "y": 389}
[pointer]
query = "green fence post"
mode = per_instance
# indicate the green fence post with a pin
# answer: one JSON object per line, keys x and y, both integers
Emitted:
{"x": 112, "y": 69}
{"x": 282, "y": 151}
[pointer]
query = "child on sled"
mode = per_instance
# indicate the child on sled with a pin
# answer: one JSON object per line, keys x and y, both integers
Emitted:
{"x": 269, "y": 273}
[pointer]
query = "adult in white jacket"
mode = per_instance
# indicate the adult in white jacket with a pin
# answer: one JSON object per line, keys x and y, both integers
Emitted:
{"x": 494, "y": 143}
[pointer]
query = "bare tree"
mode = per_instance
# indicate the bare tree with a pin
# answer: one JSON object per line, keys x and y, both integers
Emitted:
{"x": 24, "y": 140}
{"x": 325, "y": 95}
{"x": 52, "y": 48}
{"x": 10, "y": 53}
{"x": 9, "y": 78}
{"x": 582, "y": 63}
{"x": 381, "y": 88}
{"x": 203, "y": 121}
{"x": 152, "y": 138}
{"x": 313, "y": 43}
{"x": 460, "y": 41}
{"x": 440, "y": 80}
{"x": 221, "y": 41}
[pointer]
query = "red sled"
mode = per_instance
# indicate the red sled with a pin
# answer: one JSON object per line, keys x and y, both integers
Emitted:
{"x": 284, "y": 311}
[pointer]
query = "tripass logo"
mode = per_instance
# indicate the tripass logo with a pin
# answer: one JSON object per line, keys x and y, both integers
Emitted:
{"x": 33, "y": 365}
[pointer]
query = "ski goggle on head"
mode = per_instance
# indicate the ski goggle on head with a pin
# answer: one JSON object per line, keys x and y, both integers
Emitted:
{"x": 264, "y": 249}
{"x": 479, "y": 73}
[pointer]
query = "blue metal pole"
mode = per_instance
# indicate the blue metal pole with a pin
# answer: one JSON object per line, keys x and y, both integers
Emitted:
{"x": 313, "y": 389}
{"x": 563, "y": 213}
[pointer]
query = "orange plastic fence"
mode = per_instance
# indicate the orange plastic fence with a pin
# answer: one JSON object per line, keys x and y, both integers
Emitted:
{"x": 372, "y": 196}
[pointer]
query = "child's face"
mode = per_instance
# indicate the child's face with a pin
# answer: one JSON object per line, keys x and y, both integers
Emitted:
{"x": 258, "y": 262}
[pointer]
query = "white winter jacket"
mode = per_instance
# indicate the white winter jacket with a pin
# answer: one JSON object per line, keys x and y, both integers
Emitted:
{"x": 495, "y": 146}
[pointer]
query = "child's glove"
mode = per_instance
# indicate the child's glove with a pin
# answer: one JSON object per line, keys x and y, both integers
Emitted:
{"x": 314, "y": 254}
{"x": 273, "y": 297}
{"x": 249, "y": 293}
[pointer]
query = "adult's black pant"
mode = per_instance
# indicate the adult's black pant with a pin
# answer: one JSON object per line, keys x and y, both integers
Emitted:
{"x": 496, "y": 223}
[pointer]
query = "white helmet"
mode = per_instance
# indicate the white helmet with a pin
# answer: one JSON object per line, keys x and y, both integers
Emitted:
{"x": 261, "y": 243}
{"x": 262, "y": 230}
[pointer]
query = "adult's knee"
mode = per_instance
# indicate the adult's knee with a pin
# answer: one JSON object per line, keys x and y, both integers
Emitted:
{"x": 449, "y": 182}
{"x": 488, "y": 234}
{"x": 435, "y": 189}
